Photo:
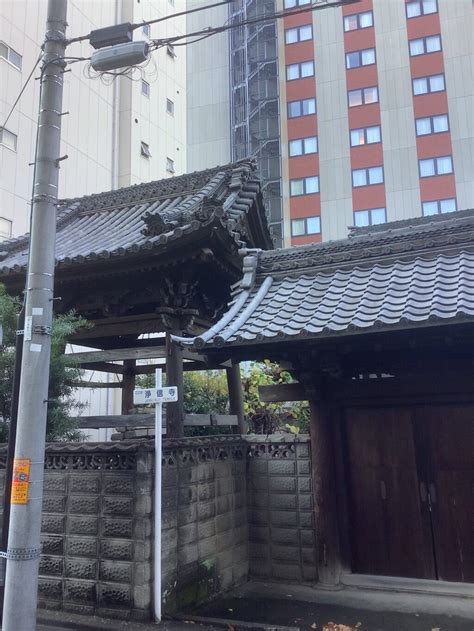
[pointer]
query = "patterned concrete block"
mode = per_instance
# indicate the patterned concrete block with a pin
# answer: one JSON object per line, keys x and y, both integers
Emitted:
{"x": 82, "y": 546}
{"x": 282, "y": 467}
{"x": 53, "y": 524}
{"x": 80, "y": 591}
{"x": 116, "y": 549}
{"x": 51, "y": 565}
{"x": 81, "y": 568}
{"x": 112, "y": 571}
{"x": 114, "y": 505}
{"x": 84, "y": 504}
{"x": 281, "y": 485}
{"x": 54, "y": 503}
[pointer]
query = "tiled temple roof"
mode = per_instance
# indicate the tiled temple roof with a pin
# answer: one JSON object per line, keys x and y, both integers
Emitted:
{"x": 144, "y": 217}
{"x": 400, "y": 275}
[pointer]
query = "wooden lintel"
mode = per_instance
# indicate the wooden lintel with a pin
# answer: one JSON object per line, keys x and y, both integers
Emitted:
{"x": 123, "y": 326}
{"x": 148, "y": 420}
{"x": 282, "y": 392}
{"x": 117, "y": 369}
{"x": 118, "y": 354}
{"x": 97, "y": 384}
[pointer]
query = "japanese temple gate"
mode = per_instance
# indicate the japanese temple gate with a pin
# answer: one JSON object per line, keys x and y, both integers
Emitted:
{"x": 377, "y": 330}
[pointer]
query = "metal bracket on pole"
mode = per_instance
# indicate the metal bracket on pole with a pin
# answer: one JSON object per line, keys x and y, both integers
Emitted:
{"x": 21, "y": 554}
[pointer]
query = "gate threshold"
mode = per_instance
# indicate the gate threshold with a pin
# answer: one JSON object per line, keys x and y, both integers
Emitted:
{"x": 408, "y": 585}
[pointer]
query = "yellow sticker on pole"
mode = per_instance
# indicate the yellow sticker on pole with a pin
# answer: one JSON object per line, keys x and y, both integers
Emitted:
{"x": 20, "y": 481}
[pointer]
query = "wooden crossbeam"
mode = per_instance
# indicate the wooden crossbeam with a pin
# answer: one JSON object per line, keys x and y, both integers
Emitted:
{"x": 148, "y": 420}
{"x": 117, "y": 369}
{"x": 282, "y": 392}
{"x": 118, "y": 354}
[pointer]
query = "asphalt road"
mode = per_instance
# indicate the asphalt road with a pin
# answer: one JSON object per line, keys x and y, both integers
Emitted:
{"x": 305, "y": 616}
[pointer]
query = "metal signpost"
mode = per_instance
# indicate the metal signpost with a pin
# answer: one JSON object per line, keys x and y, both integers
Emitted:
{"x": 157, "y": 395}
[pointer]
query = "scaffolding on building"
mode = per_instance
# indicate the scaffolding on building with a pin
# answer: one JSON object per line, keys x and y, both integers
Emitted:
{"x": 255, "y": 117}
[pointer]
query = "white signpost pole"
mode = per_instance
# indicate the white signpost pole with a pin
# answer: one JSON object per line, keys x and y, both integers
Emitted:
{"x": 158, "y": 451}
{"x": 157, "y": 395}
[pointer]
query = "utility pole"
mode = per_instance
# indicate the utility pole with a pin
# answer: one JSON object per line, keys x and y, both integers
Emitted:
{"x": 23, "y": 552}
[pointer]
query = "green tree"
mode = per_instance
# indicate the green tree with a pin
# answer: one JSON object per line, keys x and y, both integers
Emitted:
{"x": 267, "y": 418}
{"x": 205, "y": 392}
{"x": 64, "y": 373}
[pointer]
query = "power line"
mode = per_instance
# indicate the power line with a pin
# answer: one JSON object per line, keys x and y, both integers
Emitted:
{"x": 21, "y": 91}
{"x": 56, "y": 59}
{"x": 187, "y": 12}
{"x": 82, "y": 38}
{"x": 208, "y": 31}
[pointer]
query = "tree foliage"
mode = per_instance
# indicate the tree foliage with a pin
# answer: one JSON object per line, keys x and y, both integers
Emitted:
{"x": 206, "y": 392}
{"x": 267, "y": 418}
{"x": 63, "y": 372}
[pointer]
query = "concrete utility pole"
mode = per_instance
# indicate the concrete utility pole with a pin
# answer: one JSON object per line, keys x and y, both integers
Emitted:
{"x": 23, "y": 552}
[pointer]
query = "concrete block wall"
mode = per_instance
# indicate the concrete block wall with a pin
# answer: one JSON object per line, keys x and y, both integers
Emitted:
{"x": 233, "y": 507}
{"x": 97, "y": 530}
{"x": 205, "y": 525}
{"x": 282, "y": 534}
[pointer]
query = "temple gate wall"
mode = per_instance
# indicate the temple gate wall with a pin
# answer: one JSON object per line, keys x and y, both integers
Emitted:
{"x": 233, "y": 508}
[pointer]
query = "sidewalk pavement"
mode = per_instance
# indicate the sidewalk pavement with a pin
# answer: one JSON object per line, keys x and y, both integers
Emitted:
{"x": 303, "y": 607}
{"x": 66, "y": 621}
{"x": 259, "y": 606}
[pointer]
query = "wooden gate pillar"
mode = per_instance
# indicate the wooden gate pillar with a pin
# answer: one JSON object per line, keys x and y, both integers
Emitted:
{"x": 325, "y": 492}
{"x": 174, "y": 377}
{"x": 128, "y": 385}
{"x": 236, "y": 399}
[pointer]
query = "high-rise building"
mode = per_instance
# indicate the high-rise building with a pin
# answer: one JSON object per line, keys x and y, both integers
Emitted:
{"x": 358, "y": 115}
{"x": 116, "y": 132}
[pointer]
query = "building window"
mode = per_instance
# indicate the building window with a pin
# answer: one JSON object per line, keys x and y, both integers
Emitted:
{"x": 170, "y": 107}
{"x": 170, "y": 165}
{"x": 8, "y": 138}
{"x": 10, "y": 55}
{"x": 439, "y": 207}
{"x": 432, "y": 125}
{"x": 304, "y": 186}
{"x": 358, "y": 20}
{"x": 145, "y": 150}
{"x": 301, "y": 108}
{"x": 5, "y": 228}
{"x": 359, "y": 58}
{"x": 145, "y": 88}
{"x": 367, "y": 177}
{"x": 421, "y": 7}
{"x": 363, "y": 96}
{"x": 170, "y": 51}
{"x": 299, "y": 34}
{"x": 308, "y": 225}
{"x": 425, "y": 85}
{"x": 365, "y": 136}
{"x": 291, "y": 4}
{"x": 425, "y": 45}
{"x": 146, "y": 30}
{"x": 370, "y": 217}
{"x": 300, "y": 71}
{"x": 303, "y": 146}
{"x": 436, "y": 166}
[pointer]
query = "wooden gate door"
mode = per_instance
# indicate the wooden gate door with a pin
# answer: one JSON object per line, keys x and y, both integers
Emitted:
{"x": 391, "y": 532}
{"x": 411, "y": 477}
{"x": 448, "y": 433}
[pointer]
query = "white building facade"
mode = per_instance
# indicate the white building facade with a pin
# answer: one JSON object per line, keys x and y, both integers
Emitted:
{"x": 115, "y": 133}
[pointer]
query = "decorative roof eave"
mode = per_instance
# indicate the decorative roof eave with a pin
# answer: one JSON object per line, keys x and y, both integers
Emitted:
{"x": 229, "y": 205}
{"x": 389, "y": 242}
{"x": 216, "y": 345}
{"x": 423, "y": 292}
